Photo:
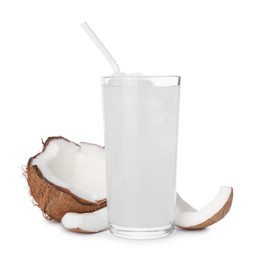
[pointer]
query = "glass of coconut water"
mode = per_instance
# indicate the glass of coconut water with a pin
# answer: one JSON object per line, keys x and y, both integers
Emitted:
{"x": 141, "y": 125}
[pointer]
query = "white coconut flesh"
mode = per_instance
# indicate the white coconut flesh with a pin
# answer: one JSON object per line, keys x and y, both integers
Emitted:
{"x": 80, "y": 169}
{"x": 86, "y": 222}
{"x": 185, "y": 216}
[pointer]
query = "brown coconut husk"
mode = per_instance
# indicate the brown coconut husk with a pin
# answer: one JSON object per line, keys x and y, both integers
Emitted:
{"x": 55, "y": 201}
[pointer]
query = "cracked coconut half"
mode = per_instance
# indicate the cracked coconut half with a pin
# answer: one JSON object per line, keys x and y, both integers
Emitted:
{"x": 67, "y": 177}
{"x": 68, "y": 183}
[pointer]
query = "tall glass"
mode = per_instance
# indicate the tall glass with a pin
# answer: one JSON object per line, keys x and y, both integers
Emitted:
{"x": 141, "y": 126}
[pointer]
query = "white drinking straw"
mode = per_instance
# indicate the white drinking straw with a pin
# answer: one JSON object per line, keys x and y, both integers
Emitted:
{"x": 100, "y": 46}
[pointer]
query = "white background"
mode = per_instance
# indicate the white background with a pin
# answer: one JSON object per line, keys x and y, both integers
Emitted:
{"x": 49, "y": 85}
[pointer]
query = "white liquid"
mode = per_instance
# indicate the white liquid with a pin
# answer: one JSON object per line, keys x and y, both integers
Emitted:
{"x": 141, "y": 143}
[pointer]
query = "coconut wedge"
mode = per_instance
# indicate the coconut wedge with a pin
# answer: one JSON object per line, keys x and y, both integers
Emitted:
{"x": 68, "y": 183}
{"x": 189, "y": 218}
{"x": 86, "y": 222}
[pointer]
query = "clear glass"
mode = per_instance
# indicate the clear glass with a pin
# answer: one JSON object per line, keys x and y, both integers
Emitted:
{"x": 141, "y": 127}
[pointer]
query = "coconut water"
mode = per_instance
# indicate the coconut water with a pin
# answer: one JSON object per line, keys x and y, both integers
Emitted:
{"x": 141, "y": 122}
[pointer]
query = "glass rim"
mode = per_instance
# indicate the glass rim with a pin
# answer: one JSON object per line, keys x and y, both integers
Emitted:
{"x": 141, "y": 76}
{"x": 163, "y": 80}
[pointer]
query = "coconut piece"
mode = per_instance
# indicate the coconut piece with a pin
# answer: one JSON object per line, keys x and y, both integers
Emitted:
{"x": 189, "y": 218}
{"x": 67, "y": 177}
{"x": 86, "y": 222}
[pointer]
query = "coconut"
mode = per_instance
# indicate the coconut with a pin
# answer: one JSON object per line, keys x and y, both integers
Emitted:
{"x": 86, "y": 222}
{"x": 67, "y": 177}
{"x": 68, "y": 183}
{"x": 188, "y": 217}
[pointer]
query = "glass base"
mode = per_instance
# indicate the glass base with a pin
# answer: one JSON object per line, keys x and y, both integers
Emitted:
{"x": 141, "y": 233}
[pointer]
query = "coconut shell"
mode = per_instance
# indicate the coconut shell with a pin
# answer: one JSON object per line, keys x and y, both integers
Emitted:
{"x": 55, "y": 201}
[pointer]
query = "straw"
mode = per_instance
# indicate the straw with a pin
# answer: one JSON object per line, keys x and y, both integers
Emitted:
{"x": 100, "y": 46}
